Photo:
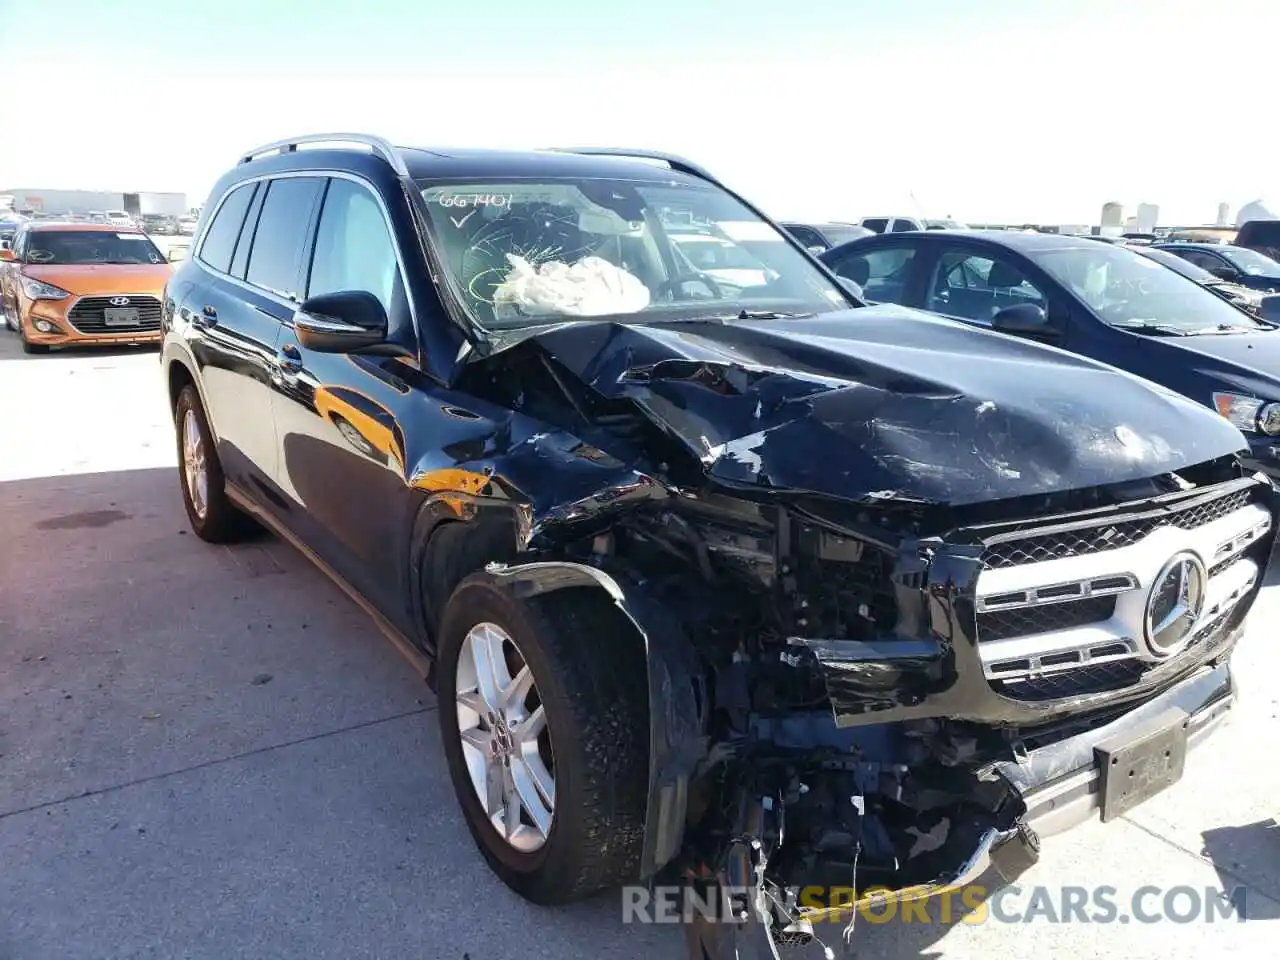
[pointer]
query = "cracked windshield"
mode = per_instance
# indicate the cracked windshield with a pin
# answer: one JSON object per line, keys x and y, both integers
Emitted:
{"x": 524, "y": 253}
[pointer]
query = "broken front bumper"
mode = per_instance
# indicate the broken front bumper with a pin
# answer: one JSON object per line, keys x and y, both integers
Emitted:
{"x": 1067, "y": 783}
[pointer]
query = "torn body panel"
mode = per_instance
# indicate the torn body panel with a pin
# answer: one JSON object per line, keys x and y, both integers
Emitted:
{"x": 901, "y": 407}
{"x": 861, "y": 568}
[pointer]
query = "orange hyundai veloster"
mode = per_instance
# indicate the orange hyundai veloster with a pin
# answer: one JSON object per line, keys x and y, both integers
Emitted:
{"x": 71, "y": 284}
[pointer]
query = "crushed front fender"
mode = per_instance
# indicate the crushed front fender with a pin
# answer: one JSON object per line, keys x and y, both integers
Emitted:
{"x": 677, "y": 697}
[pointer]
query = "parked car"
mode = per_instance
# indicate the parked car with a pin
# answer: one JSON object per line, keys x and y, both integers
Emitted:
{"x": 1262, "y": 306}
{"x": 719, "y": 258}
{"x": 8, "y": 228}
{"x": 1108, "y": 303}
{"x": 820, "y": 237}
{"x": 187, "y": 224}
{"x": 1260, "y": 235}
{"x": 1238, "y": 265}
{"x": 904, "y": 224}
{"x": 75, "y": 284}
{"x": 119, "y": 218}
{"x": 159, "y": 224}
{"x": 684, "y": 563}
{"x": 892, "y": 224}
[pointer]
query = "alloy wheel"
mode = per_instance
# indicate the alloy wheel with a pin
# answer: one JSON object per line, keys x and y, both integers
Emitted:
{"x": 194, "y": 467}
{"x": 505, "y": 740}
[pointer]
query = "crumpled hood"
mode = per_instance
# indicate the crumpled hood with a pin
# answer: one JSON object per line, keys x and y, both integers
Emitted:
{"x": 880, "y": 403}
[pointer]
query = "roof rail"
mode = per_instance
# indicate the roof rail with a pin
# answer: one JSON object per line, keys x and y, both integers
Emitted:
{"x": 380, "y": 147}
{"x": 674, "y": 161}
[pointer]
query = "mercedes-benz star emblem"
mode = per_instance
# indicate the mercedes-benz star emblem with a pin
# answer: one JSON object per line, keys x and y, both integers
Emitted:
{"x": 119, "y": 301}
{"x": 1175, "y": 603}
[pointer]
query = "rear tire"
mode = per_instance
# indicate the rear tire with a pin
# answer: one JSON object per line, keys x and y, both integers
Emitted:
{"x": 589, "y": 676}
{"x": 212, "y": 515}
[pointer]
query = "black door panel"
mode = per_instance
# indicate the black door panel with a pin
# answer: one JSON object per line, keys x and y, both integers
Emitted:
{"x": 338, "y": 416}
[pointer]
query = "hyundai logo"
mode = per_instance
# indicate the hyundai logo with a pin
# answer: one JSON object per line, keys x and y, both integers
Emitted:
{"x": 119, "y": 301}
{"x": 1175, "y": 603}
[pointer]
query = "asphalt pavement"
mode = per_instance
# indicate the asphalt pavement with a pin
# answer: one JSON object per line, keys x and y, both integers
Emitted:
{"x": 211, "y": 752}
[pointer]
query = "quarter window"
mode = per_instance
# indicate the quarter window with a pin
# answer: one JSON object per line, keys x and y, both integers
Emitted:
{"x": 282, "y": 233}
{"x": 220, "y": 238}
{"x": 354, "y": 249}
{"x": 877, "y": 224}
{"x": 977, "y": 288}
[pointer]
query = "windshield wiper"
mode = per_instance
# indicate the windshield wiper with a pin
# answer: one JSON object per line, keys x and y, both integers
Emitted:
{"x": 1154, "y": 329}
{"x": 764, "y": 315}
{"x": 1234, "y": 328}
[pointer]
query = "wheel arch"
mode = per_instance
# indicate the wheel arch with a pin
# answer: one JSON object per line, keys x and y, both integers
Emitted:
{"x": 676, "y": 692}
{"x": 179, "y": 371}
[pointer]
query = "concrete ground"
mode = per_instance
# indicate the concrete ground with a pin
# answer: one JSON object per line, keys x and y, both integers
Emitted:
{"x": 210, "y": 752}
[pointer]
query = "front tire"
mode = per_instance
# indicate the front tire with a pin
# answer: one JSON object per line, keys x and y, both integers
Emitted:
{"x": 27, "y": 346}
{"x": 544, "y": 714}
{"x": 212, "y": 515}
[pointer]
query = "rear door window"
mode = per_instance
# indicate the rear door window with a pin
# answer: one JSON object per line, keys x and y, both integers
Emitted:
{"x": 283, "y": 226}
{"x": 902, "y": 226}
{"x": 240, "y": 261}
{"x": 220, "y": 238}
{"x": 1205, "y": 261}
{"x": 882, "y": 274}
{"x": 878, "y": 224}
{"x": 977, "y": 287}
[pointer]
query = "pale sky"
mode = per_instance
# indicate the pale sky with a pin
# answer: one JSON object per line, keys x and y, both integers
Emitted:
{"x": 987, "y": 110}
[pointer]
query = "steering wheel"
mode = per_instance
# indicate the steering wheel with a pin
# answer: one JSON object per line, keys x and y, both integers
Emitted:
{"x": 675, "y": 283}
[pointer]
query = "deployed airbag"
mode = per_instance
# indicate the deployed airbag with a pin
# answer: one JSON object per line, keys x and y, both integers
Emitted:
{"x": 592, "y": 287}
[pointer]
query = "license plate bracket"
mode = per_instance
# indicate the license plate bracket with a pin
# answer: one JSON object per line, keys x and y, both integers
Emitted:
{"x": 121, "y": 317}
{"x": 1142, "y": 764}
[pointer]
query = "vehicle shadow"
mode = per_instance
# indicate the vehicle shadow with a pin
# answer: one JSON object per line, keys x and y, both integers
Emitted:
{"x": 1250, "y": 849}
{"x": 11, "y": 349}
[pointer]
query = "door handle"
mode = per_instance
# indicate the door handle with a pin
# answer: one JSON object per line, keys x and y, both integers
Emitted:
{"x": 206, "y": 318}
{"x": 289, "y": 358}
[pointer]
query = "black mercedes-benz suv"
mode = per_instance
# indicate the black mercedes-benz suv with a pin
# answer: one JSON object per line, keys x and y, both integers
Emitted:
{"x": 719, "y": 575}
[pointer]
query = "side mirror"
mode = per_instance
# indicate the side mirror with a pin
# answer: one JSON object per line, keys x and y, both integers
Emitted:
{"x": 1022, "y": 319}
{"x": 817, "y": 249}
{"x": 1225, "y": 273}
{"x": 341, "y": 322}
{"x": 1271, "y": 308}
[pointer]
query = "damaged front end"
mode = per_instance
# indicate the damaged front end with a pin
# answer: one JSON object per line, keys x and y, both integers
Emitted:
{"x": 855, "y": 683}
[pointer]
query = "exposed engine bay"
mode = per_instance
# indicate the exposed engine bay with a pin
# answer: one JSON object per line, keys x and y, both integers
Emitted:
{"x": 841, "y": 677}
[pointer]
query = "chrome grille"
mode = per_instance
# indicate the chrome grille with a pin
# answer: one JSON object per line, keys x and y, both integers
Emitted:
{"x": 1108, "y": 535}
{"x": 87, "y": 314}
{"x": 1092, "y": 678}
{"x": 1041, "y": 618}
{"x": 1070, "y": 617}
